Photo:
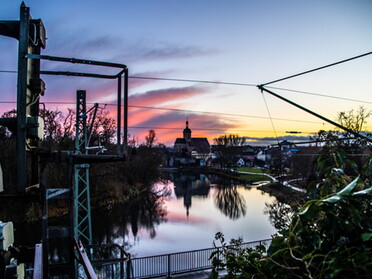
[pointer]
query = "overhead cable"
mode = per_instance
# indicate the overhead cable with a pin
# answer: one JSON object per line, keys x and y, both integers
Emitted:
{"x": 317, "y": 94}
{"x": 234, "y": 84}
{"x": 195, "y": 81}
{"x": 355, "y": 133}
{"x": 271, "y": 119}
{"x": 183, "y": 110}
{"x": 209, "y": 129}
{"x": 316, "y": 69}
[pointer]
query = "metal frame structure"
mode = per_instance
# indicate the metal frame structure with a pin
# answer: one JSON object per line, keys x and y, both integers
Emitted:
{"x": 123, "y": 72}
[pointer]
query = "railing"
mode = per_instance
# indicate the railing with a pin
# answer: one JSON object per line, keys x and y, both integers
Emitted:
{"x": 164, "y": 265}
{"x": 109, "y": 261}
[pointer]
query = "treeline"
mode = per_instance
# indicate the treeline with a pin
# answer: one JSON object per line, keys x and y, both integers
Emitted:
{"x": 110, "y": 182}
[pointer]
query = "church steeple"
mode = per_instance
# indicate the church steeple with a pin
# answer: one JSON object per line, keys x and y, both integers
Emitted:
{"x": 187, "y": 131}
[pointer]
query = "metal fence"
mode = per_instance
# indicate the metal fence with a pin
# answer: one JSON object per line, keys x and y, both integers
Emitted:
{"x": 165, "y": 265}
{"x": 113, "y": 263}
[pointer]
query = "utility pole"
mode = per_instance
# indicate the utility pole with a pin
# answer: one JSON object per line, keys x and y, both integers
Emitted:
{"x": 27, "y": 126}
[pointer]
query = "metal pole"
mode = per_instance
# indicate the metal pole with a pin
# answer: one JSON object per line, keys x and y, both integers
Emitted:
{"x": 169, "y": 266}
{"x": 125, "y": 140}
{"x": 121, "y": 264}
{"x": 44, "y": 218}
{"x": 128, "y": 269}
{"x": 315, "y": 114}
{"x": 118, "y": 145}
{"x": 21, "y": 98}
{"x": 33, "y": 110}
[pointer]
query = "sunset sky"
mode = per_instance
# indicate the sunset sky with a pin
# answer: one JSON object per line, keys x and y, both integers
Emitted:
{"x": 244, "y": 43}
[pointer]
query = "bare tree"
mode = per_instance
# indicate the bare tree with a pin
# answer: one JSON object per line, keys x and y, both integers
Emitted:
{"x": 354, "y": 121}
{"x": 102, "y": 131}
{"x": 228, "y": 148}
{"x": 151, "y": 138}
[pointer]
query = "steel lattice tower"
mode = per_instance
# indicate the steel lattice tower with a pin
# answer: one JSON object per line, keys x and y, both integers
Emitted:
{"x": 82, "y": 214}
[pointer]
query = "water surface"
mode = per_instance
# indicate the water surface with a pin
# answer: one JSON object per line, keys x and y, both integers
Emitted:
{"x": 194, "y": 209}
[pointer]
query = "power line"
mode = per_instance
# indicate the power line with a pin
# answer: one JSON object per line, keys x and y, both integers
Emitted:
{"x": 186, "y": 111}
{"x": 195, "y": 81}
{"x": 355, "y": 133}
{"x": 209, "y": 129}
{"x": 316, "y": 69}
{"x": 176, "y": 79}
{"x": 271, "y": 120}
{"x": 221, "y": 113}
{"x": 239, "y": 84}
{"x": 320, "y": 95}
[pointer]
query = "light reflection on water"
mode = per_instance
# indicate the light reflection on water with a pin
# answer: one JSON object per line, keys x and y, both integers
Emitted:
{"x": 195, "y": 208}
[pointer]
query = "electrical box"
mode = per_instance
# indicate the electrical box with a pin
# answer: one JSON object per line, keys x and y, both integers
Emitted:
{"x": 6, "y": 235}
{"x": 35, "y": 125}
{"x": 37, "y": 33}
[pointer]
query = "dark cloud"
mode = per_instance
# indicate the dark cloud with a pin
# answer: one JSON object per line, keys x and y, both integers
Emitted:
{"x": 161, "y": 96}
{"x": 117, "y": 49}
{"x": 167, "y": 51}
{"x": 144, "y": 78}
{"x": 140, "y": 51}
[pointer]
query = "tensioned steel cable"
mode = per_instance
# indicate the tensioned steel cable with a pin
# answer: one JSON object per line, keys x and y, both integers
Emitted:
{"x": 233, "y": 84}
{"x": 317, "y": 94}
{"x": 316, "y": 69}
{"x": 180, "y": 110}
{"x": 195, "y": 81}
{"x": 272, "y": 122}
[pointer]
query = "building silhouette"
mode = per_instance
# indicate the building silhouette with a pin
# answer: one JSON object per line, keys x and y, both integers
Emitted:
{"x": 189, "y": 150}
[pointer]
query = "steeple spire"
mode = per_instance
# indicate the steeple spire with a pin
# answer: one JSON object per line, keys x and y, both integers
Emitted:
{"x": 187, "y": 131}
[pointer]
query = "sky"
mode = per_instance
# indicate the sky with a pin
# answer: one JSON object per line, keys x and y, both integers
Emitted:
{"x": 234, "y": 45}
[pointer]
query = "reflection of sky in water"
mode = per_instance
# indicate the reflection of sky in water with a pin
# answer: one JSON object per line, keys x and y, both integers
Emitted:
{"x": 196, "y": 231}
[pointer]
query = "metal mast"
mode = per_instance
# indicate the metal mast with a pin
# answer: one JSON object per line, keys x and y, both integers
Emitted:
{"x": 82, "y": 214}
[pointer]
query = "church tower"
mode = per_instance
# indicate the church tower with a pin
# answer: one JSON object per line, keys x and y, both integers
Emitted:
{"x": 187, "y": 132}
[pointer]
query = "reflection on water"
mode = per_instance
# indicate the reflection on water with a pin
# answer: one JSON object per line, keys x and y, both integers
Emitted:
{"x": 187, "y": 186}
{"x": 230, "y": 202}
{"x": 145, "y": 213}
{"x": 183, "y": 212}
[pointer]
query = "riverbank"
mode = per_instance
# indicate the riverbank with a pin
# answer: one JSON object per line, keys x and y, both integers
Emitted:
{"x": 284, "y": 194}
{"x": 242, "y": 175}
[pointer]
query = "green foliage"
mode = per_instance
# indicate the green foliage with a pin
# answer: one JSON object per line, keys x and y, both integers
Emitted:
{"x": 253, "y": 170}
{"x": 239, "y": 262}
{"x": 329, "y": 237}
{"x": 280, "y": 215}
{"x": 334, "y": 170}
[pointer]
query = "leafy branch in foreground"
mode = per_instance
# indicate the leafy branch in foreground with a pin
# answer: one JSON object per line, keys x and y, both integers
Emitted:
{"x": 327, "y": 238}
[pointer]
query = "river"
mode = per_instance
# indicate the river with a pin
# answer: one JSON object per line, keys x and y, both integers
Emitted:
{"x": 183, "y": 212}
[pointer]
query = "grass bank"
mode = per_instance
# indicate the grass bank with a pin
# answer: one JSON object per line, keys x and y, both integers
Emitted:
{"x": 251, "y": 175}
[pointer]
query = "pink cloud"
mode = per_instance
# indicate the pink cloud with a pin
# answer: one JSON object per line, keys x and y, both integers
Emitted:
{"x": 169, "y": 125}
